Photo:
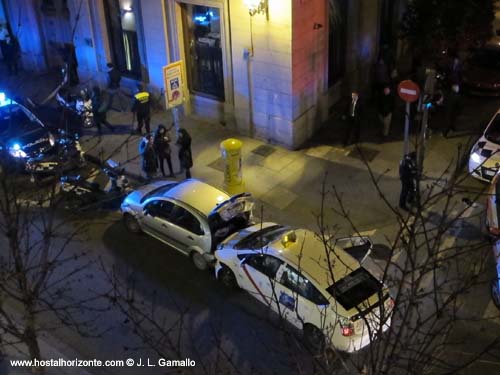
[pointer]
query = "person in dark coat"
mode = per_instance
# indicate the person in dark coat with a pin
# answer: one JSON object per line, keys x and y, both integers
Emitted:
{"x": 385, "y": 108}
{"x": 100, "y": 105}
{"x": 69, "y": 57}
{"x": 353, "y": 115}
{"x": 185, "y": 155}
{"x": 4, "y": 33}
{"x": 149, "y": 158}
{"x": 453, "y": 106}
{"x": 407, "y": 175}
{"x": 162, "y": 148}
{"x": 12, "y": 54}
{"x": 114, "y": 79}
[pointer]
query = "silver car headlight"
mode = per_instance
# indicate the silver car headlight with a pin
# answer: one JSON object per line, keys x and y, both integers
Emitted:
{"x": 16, "y": 151}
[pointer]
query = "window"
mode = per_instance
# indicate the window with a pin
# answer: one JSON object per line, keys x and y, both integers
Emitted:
{"x": 294, "y": 281}
{"x": 261, "y": 238}
{"x": 337, "y": 40}
{"x": 493, "y": 132}
{"x": 185, "y": 219}
{"x": 159, "y": 191}
{"x": 123, "y": 40}
{"x": 266, "y": 264}
{"x": 15, "y": 120}
{"x": 202, "y": 35}
{"x": 355, "y": 288}
{"x": 160, "y": 209}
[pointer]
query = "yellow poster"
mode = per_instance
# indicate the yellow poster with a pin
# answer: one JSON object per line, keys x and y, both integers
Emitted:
{"x": 174, "y": 85}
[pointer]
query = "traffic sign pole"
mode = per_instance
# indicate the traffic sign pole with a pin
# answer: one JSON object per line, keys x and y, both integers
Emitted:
{"x": 406, "y": 144}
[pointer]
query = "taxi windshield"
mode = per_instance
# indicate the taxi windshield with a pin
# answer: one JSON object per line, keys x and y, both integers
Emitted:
{"x": 355, "y": 288}
{"x": 492, "y": 134}
{"x": 16, "y": 120}
{"x": 261, "y": 238}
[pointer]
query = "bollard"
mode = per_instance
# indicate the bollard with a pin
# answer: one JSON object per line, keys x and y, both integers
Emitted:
{"x": 231, "y": 154}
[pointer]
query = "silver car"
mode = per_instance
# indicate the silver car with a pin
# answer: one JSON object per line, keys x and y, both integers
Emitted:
{"x": 190, "y": 216}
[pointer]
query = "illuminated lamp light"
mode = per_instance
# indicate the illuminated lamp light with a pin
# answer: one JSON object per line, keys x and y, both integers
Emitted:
{"x": 257, "y": 6}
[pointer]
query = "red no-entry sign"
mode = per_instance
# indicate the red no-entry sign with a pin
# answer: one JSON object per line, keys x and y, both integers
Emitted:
{"x": 408, "y": 91}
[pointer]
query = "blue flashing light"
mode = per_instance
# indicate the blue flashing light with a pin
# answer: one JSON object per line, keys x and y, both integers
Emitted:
{"x": 16, "y": 147}
{"x": 428, "y": 105}
{"x": 200, "y": 19}
{"x": 4, "y": 100}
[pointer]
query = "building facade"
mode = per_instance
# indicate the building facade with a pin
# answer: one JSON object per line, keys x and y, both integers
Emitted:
{"x": 273, "y": 75}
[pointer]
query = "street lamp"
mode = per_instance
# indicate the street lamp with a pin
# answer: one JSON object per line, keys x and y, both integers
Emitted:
{"x": 257, "y": 6}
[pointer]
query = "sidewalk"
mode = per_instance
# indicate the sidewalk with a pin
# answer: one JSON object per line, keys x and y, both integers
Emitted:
{"x": 288, "y": 183}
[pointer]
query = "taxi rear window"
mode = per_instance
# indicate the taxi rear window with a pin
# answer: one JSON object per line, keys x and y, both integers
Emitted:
{"x": 355, "y": 288}
{"x": 258, "y": 240}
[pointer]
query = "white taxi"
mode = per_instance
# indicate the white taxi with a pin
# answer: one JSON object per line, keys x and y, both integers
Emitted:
{"x": 322, "y": 290}
{"x": 484, "y": 158}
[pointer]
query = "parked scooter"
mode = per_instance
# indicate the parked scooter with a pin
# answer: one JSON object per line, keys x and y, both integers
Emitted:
{"x": 79, "y": 105}
{"x": 82, "y": 193}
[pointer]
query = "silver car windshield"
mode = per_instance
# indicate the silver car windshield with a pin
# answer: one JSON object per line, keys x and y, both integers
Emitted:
{"x": 160, "y": 191}
{"x": 493, "y": 132}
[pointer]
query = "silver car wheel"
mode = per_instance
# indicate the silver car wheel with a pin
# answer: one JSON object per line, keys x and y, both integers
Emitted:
{"x": 199, "y": 261}
{"x": 131, "y": 223}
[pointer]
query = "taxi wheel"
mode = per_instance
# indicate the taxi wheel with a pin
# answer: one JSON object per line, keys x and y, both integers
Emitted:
{"x": 199, "y": 261}
{"x": 495, "y": 293}
{"x": 313, "y": 338}
{"x": 131, "y": 223}
{"x": 227, "y": 278}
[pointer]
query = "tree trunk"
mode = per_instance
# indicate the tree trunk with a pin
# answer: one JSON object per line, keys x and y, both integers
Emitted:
{"x": 31, "y": 341}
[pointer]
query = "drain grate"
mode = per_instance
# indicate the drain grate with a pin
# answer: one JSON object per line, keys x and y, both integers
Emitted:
{"x": 364, "y": 153}
{"x": 217, "y": 164}
{"x": 264, "y": 150}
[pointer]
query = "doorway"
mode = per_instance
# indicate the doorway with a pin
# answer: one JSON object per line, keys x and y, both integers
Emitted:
{"x": 203, "y": 50}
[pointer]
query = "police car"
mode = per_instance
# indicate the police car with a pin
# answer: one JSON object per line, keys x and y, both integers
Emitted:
{"x": 27, "y": 145}
{"x": 484, "y": 158}
{"x": 332, "y": 298}
{"x": 22, "y": 134}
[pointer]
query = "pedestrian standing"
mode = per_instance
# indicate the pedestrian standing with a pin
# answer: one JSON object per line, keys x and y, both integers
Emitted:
{"x": 69, "y": 57}
{"x": 385, "y": 109}
{"x": 3, "y": 39}
{"x": 455, "y": 73}
{"x": 162, "y": 148}
{"x": 381, "y": 75}
{"x": 407, "y": 175}
{"x": 12, "y": 54}
{"x": 353, "y": 117}
{"x": 100, "y": 105}
{"x": 185, "y": 155}
{"x": 149, "y": 159}
{"x": 114, "y": 79}
{"x": 141, "y": 107}
{"x": 453, "y": 106}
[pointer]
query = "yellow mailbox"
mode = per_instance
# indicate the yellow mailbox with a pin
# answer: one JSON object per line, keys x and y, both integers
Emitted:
{"x": 231, "y": 154}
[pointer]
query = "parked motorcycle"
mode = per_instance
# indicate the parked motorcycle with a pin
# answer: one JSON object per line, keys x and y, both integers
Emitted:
{"x": 79, "y": 105}
{"x": 79, "y": 192}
